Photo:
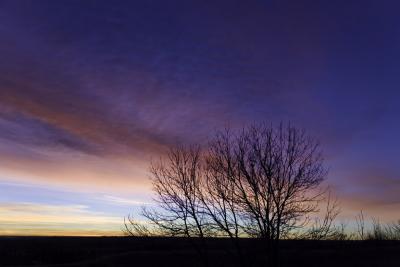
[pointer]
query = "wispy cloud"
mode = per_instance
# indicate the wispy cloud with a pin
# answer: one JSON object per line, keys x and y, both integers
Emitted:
{"x": 125, "y": 201}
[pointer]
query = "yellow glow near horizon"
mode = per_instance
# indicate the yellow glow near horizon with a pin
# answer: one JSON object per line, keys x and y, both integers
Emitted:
{"x": 61, "y": 220}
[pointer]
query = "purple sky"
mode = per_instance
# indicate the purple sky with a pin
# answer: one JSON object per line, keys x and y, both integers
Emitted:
{"x": 90, "y": 91}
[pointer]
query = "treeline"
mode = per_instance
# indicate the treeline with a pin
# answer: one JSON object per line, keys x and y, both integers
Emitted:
{"x": 375, "y": 230}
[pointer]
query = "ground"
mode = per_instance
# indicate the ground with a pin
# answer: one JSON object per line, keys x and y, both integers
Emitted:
{"x": 125, "y": 251}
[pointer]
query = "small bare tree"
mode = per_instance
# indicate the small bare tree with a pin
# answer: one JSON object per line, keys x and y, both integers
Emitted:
{"x": 133, "y": 227}
{"x": 360, "y": 221}
{"x": 324, "y": 228}
{"x": 379, "y": 231}
{"x": 395, "y": 230}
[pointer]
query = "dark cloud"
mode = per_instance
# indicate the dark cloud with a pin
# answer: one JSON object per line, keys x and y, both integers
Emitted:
{"x": 19, "y": 129}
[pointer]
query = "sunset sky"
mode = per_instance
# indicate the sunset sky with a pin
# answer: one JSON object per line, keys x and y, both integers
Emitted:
{"x": 91, "y": 91}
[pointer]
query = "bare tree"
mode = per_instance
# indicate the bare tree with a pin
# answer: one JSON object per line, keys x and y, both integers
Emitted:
{"x": 389, "y": 231}
{"x": 360, "y": 221}
{"x": 378, "y": 231}
{"x": 395, "y": 230}
{"x": 260, "y": 182}
{"x": 273, "y": 177}
{"x": 133, "y": 227}
{"x": 324, "y": 228}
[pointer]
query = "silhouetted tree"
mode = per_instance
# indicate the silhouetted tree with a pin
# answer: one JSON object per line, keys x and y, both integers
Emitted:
{"x": 275, "y": 174}
{"x": 395, "y": 230}
{"x": 380, "y": 231}
{"x": 133, "y": 227}
{"x": 261, "y": 182}
{"x": 324, "y": 228}
{"x": 360, "y": 225}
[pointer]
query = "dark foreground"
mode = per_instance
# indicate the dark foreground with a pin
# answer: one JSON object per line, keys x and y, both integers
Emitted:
{"x": 121, "y": 251}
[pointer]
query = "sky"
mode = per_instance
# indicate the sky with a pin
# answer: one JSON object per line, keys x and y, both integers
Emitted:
{"x": 92, "y": 91}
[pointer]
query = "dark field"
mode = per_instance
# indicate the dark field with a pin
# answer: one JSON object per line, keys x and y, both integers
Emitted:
{"x": 121, "y": 251}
